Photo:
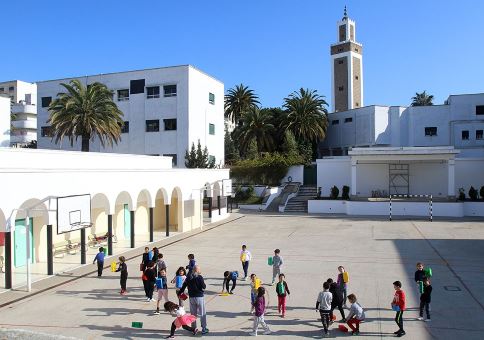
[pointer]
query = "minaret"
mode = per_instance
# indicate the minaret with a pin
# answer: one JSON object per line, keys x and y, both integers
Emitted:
{"x": 346, "y": 67}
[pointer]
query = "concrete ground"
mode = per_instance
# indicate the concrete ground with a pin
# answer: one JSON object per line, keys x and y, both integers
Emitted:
{"x": 374, "y": 251}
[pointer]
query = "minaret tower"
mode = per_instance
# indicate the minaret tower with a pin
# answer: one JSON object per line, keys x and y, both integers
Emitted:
{"x": 346, "y": 67}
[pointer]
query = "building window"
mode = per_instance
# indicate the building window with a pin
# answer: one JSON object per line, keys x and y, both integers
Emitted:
{"x": 341, "y": 88}
{"x": 123, "y": 95}
{"x": 170, "y": 124}
{"x": 125, "y": 127}
{"x": 153, "y": 92}
{"x": 46, "y": 131}
{"x": 2, "y": 89}
{"x": 340, "y": 61}
{"x": 480, "y": 110}
{"x": 153, "y": 125}
{"x": 211, "y": 129}
{"x": 356, "y": 50}
{"x": 211, "y": 98}
{"x": 211, "y": 159}
{"x": 479, "y": 134}
{"x": 465, "y": 135}
{"x": 137, "y": 86}
{"x": 169, "y": 90}
{"x": 357, "y": 104}
{"x": 340, "y": 50}
{"x": 173, "y": 158}
{"x": 350, "y": 119}
{"x": 356, "y": 77}
{"x": 46, "y": 101}
{"x": 10, "y": 89}
{"x": 335, "y": 122}
{"x": 431, "y": 131}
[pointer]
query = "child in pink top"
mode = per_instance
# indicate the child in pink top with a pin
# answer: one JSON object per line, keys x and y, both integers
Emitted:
{"x": 183, "y": 319}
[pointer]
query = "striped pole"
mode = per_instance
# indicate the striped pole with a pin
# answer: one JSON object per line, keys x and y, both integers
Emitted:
{"x": 431, "y": 210}
{"x": 390, "y": 207}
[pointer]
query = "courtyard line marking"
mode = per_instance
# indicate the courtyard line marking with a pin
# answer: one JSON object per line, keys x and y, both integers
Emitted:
{"x": 127, "y": 259}
{"x": 447, "y": 264}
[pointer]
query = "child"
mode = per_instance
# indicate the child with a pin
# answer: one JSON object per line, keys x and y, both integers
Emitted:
{"x": 277, "y": 263}
{"x": 145, "y": 259}
{"x": 398, "y": 305}
{"x": 100, "y": 261}
{"x": 123, "y": 268}
{"x": 260, "y": 307}
{"x": 419, "y": 276}
{"x": 160, "y": 263}
{"x": 245, "y": 257}
{"x": 255, "y": 283}
{"x": 282, "y": 290}
{"x": 183, "y": 319}
{"x": 337, "y": 301}
{"x": 342, "y": 281}
{"x": 149, "y": 280}
{"x": 162, "y": 290}
{"x": 425, "y": 299}
{"x": 230, "y": 276}
{"x": 356, "y": 316}
{"x": 191, "y": 264}
{"x": 154, "y": 253}
{"x": 178, "y": 280}
{"x": 323, "y": 305}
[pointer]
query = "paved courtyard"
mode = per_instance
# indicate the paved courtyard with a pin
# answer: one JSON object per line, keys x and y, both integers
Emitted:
{"x": 375, "y": 252}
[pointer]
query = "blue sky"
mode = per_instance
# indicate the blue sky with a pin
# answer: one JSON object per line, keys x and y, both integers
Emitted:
{"x": 274, "y": 46}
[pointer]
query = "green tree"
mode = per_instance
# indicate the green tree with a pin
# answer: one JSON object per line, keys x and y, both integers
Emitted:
{"x": 86, "y": 112}
{"x": 238, "y": 101}
{"x": 256, "y": 124}
{"x": 198, "y": 158}
{"x": 422, "y": 99}
{"x": 231, "y": 152}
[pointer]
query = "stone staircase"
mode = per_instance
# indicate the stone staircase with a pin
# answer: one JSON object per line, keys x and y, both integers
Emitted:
{"x": 300, "y": 202}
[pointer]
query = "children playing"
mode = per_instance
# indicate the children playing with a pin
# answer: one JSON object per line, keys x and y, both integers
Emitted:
{"x": 260, "y": 307}
{"x": 356, "y": 315}
{"x": 337, "y": 301}
{"x": 419, "y": 276}
{"x": 149, "y": 280}
{"x": 160, "y": 263}
{"x": 178, "y": 280}
{"x": 398, "y": 305}
{"x": 342, "y": 281}
{"x": 282, "y": 291}
{"x": 191, "y": 263}
{"x": 123, "y": 269}
{"x": 161, "y": 289}
{"x": 323, "y": 305}
{"x": 255, "y": 283}
{"x": 245, "y": 257}
{"x": 183, "y": 319}
{"x": 277, "y": 263}
{"x": 425, "y": 299}
{"x": 230, "y": 276}
{"x": 100, "y": 261}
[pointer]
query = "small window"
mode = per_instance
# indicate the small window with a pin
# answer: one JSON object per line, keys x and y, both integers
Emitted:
{"x": 341, "y": 88}
{"x": 46, "y": 101}
{"x": 211, "y": 129}
{"x": 211, "y": 158}
{"x": 340, "y": 50}
{"x": 173, "y": 158}
{"x": 170, "y": 124}
{"x": 465, "y": 135}
{"x": 153, "y": 125}
{"x": 153, "y": 92}
{"x": 431, "y": 131}
{"x": 169, "y": 90}
{"x": 350, "y": 119}
{"x": 356, "y": 77}
{"x": 356, "y": 49}
{"x": 123, "y": 95}
{"x": 335, "y": 122}
{"x": 479, "y": 134}
{"x": 2, "y": 89}
{"x": 211, "y": 98}
{"x": 357, "y": 104}
{"x": 137, "y": 86}
{"x": 340, "y": 61}
{"x": 46, "y": 131}
{"x": 480, "y": 110}
{"x": 125, "y": 127}
{"x": 10, "y": 89}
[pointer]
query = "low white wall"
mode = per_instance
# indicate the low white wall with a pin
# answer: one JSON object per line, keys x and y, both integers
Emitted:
{"x": 469, "y": 171}
{"x": 252, "y": 206}
{"x": 333, "y": 171}
{"x": 326, "y": 207}
{"x": 296, "y": 172}
{"x": 474, "y": 208}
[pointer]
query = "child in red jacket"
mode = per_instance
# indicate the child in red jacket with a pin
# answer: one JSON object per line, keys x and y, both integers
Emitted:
{"x": 398, "y": 305}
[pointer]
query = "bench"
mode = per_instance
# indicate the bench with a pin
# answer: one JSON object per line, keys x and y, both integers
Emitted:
{"x": 66, "y": 246}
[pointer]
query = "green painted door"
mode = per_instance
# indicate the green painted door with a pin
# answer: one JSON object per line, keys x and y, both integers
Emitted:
{"x": 310, "y": 175}
{"x": 20, "y": 240}
{"x": 127, "y": 222}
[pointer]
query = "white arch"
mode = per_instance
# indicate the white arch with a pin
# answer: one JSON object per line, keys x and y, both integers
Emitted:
{"x": 162, "y": 193}
{"x": 124, "y": 198}
{"x": 36, "y": 209}
{"x": 101, "y": 201}
{"x": 217, "y": 189}
{"x": 144, "y": 196}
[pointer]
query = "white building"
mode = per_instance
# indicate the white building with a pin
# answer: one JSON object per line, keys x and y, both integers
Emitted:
{"x": 165, "y": 111}
{"x": 23, "y": 97}
{"x": 4, "y": 121}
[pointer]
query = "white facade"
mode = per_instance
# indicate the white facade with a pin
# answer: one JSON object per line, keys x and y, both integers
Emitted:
{"x": 182, "y": 93}
{"x": 4, "y": 121}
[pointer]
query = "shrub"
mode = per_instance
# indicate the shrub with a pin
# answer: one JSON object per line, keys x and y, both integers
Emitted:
{"x": 473, "y": 193}
{"x": 243, "y": 195}
{"x": 462, "y": 194}
{"x": 334, "y": 192}
{"x": 481, "y": 192}
{"x": 346, "y": 192}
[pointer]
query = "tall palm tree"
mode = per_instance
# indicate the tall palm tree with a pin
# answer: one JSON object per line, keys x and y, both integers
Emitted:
{"x": 256, "y": 124}
{"x": 422, "y": 99}
{"x": 86, "y": 112}
{"x": 238, "y": 101}
{"x": 306, "y": 115}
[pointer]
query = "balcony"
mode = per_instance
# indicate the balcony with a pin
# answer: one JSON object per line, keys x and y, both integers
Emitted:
{"x": 24, "y": 108}
{"x": 25, "y": 124}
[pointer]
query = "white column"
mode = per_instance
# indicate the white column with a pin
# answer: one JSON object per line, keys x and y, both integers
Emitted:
{"x": 451, "y": 178}
{"x": 353, "y": 177}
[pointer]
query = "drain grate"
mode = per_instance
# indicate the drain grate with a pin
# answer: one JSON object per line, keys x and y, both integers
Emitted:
{"x": 452, "y": 288}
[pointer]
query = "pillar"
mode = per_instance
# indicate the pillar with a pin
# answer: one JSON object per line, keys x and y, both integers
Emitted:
{"x": 210, "y": 207}
{"x": 83, "y": 246}
{"x": 132, "y": 228}
{"x": 152, "y": 225}
{"x": 353, "y": 177}
{"x": 110, "y": 234}
{"x": 218, "y": 204}
{"x": 451, "y": 178}
{"x": 8, "y": 260}
{"x": 167, "y": 219}
{"x": 50, "y": 254}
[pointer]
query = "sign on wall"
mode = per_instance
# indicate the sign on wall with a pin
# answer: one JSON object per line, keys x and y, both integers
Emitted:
{"x": 227, "y": 187}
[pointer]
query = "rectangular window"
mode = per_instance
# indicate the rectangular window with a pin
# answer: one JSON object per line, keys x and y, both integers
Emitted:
{"x": 348, "y": 120}
{"x": 46, "y": 131}
{"x": 46, "y": 101}
{"x": 211, "y": 129}
{"x": 356, "y": 77}
{"x": 125, "y": 127}
{"x": 11, "y": 88}
{"x": 479, "y": 134}
{"x": 465, "y": 135}
{"x": 431, "y": 131}
{"x": 211, "y": 98}
{"x": 153, "y": 125}
{"x": 340, "y": 62}
{"x": 170, "y": 124}
{"x": 335, "y": 122}
{"x": 153, "y": 92}
{"x": 169, "y": 90}
{"x": 2, "y": 89}
{"x": 480, "y": 110}
{"x": 341, "y": 88}
{"x": 137, "y": 86}
{"x": 173, "y": 158}
{"x": 123, "y": 95}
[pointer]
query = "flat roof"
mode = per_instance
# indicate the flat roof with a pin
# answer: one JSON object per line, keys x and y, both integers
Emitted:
{"x": 415, "y": 150}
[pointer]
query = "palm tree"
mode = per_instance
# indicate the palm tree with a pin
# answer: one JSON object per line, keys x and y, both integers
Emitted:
{"x": 306, "y": 115}
{"x": 86, "y": 112}
{"x": 256, "y": 124}
{"x": 238, "y": 101}
{"x": 422, "y": 99}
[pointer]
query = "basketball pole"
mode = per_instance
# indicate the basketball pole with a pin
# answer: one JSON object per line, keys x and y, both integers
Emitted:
{"x": 29, "y": 255}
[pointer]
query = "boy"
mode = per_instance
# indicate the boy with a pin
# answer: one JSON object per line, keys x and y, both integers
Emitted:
{"x": 191, "y": 264}
{"x": 282, "y": 290}
{"x": 323, "y": 305}
{"x": 425, "y": 299}
{"x": 398, "y": 305}
{"x": 230, "y": 276}
{"x": 245, "y": 257}
{"x": 356, "y": 316}
{"x": 419, "y": 276}
{"x": 123, "y": 269}
{"x": 160, "y": 264}
{"x": 162, "y": 289}
{"x": 145, "y": 259}
{"x": 337, "y": 301}
{"x": 100, "y": 261}
{"x": 277, "y": 263}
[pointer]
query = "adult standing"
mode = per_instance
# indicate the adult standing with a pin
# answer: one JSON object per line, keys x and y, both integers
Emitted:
{"x": 245, "y": 257}
{"x": 196, "y": 287}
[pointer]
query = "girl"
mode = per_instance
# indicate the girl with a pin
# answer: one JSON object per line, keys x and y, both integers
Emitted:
{"x": 123, "y": 268}
{"x": 161, "y": 289}
{"x": 178, "y": 280}
{"x": 282, "y": 290}
{"x": 183, "y": 319}
{"x": 255, "y": 283}
{"x": 260, "y": 308}
{"x": 342, "y": 281}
